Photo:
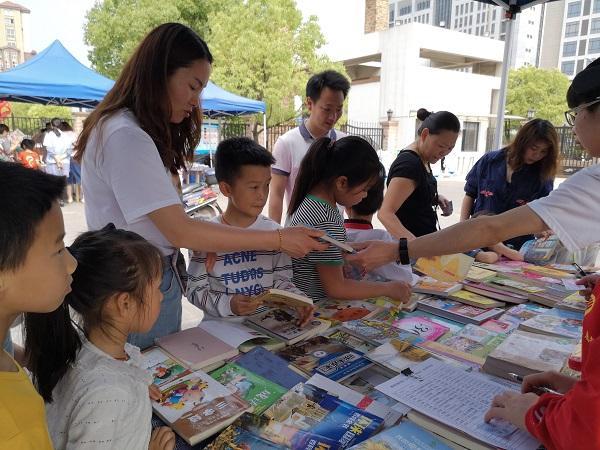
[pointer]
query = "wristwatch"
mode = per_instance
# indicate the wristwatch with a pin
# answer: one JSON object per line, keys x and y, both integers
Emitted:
{"x": 403, "y": 251}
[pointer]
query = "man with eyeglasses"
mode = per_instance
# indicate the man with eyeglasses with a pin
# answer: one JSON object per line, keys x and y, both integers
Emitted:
{"x": 325, "y": 95}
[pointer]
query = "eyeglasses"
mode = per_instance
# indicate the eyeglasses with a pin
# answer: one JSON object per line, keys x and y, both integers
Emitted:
{"x": 572, "y": 113}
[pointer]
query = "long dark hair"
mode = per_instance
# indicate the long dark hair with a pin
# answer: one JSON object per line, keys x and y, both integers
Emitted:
{"x": 142, "y": 88}
{"x": 351, "y": 157}
{"x": 534, "y": 131}
{"x": 109, "y": 261}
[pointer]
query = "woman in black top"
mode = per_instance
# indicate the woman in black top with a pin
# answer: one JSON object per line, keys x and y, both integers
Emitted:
{"x": 411, "y": 199}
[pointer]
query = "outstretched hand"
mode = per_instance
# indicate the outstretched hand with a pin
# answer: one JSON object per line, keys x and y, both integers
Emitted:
{"x": 373, "y": 254}
{"x": 298, "y": 241}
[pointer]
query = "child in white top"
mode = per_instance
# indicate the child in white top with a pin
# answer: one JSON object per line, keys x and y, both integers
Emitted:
{"x": 359, "y": 229}
{"x": 227, "y": 284}
{"x": 95, "y": 388}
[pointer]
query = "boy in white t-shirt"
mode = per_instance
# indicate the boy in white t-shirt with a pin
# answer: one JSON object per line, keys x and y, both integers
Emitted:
{"x": 359, "y": 229}
{"x": 325, "y": 95}
{"x": 229, "y": 285}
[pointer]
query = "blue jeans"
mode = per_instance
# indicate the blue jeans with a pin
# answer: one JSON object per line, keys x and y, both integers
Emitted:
{"x": 169, "y": 319}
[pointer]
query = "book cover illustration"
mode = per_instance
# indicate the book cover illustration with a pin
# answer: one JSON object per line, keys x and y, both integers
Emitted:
{"x": 451, "y": 268}
{"x": 351, "y": 341}
{"x": 517, "y": 285}
{"x": 235, "y": 437}
{"x": 270, "y": 366}
{"x": 196, "y": 403}
{"x": 474, "y": 340}
{"x": 405, "y": 435}
{"x": 417, "y": 324}
{"x": 313, "y": 410}
{"x": 163, "y": 368}
{"x": 326, "y": 357}
{"x": 479, "y": 274}
{"x": 398, "y": 354}
{"x": 522, "y": 312}
{"x": 429, "y": 285}
{"x": 376, "y": 331}
{"x": 345, "y": 310}
{"x": 553, "y": 325}
{"x": 454, "y": 307}
{"x": 283, "y": 324}
{"x": 474, "y": 299}
{"x": 575, "y": 302}
{"x": 499, "y": 326}
{"x": 259, "y": 392}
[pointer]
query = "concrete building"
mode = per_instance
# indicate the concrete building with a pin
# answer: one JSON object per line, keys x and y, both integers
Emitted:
{"x": 397, "y": 70}
{"x": 12, "y": 50}
{"x": 475, "y": 18}
{"x": 578, "y": 42}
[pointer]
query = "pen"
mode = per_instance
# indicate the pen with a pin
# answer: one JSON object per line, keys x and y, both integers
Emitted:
{"x": 580, "y": 272}
{"x": 539, "y": 389}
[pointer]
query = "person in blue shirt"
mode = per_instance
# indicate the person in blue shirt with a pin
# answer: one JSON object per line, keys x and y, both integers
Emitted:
{"x": 515, "y": 175}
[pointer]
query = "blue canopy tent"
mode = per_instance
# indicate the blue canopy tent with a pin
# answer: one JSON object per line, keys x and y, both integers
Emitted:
{"x": 54, "y": 77}
{"x": 217, "y": 102}
{"x": 511, "y": 9}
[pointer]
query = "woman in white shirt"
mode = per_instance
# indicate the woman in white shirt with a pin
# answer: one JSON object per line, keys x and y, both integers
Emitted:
{"x": 57, "y": 157}
{"x": 143, "y": 131}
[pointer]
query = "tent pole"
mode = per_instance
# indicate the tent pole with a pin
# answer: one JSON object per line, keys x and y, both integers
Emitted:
{"x": 265, "y": 129}
{"x": 508, "y": 44}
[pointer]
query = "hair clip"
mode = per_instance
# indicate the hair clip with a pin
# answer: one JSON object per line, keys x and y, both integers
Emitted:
{"x": 409, "y": 373}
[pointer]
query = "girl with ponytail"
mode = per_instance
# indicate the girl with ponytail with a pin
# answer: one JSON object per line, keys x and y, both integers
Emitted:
{"x": 92, "y": 380}
{"x": 335, "y": 173}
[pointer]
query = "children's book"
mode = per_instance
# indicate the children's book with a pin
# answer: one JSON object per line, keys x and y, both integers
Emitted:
{"x": 195, "y": 406}
{"x": 319, "y": 414}
{"x": 337, "y": 311}
{"x": 278, "y": 298}
{"x": 349, "y": 340}
{"x": 428, "y": 285}
{"x": 259, "y": 392}
{"x": 499, "y": 326}
{"x": 574, "y": 302}
{"x": 281, "y": 324}
{"x": 196, "y": 348}
{"x": 326, "y": 357}
{"x": 525, "y": 353}
{"x": 548, "y": 272}
{"x": 163, "y": 368}
{"x": 450, "y": 268}
{"x": 236, "y": 437}
{"x": 405, "y": 435}
{"x": 364, "y": 402}
{"x": 270, "y": 366}
{"x": 457, "y": 311}
{"x": 521, "y": 313}
{"x": 477, "y": 300}
{"x": 398, "y": 354}
{"x": 479, "y": 274}
{"x": 239, "y": 335}
{"x": 376, "y": 332}
{"x": 515, "y": 286}
{"x": 494, "y": 292}
{"x": 560, "y": 325}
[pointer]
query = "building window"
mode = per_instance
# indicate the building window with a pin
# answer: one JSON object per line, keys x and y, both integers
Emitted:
{"x": 596, "y": 8}
{"x": 405, "y": 10}
{"x": 571, "y": 29}
{"x": 493, "y": 29}
{"x": 574, "y": 9}
{"x": 471, "y": 7}
{"x": 595, "y": 28}
{"x": 594, "y": 46}
{"x": 423, "y": 5}
{"x": 456, "y": 10}
{"x": 470, "y": 136}
{"x": 392, "y": 15}
{"x": 568, "y": 67}
{"x": 462, "y": 9}
{"x": 494, "y": 14}
{"x": 569, "y": 48}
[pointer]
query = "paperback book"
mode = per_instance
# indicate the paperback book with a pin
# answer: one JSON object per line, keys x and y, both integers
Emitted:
{"x": 239, "y": 335}
{"x": 350, "y": 340}
{"x": 457, "y": 311}
{"x": 281, "y": 324}
{"x": 398, "y": 354}
{"x": 278, "y": 298}
{"x": 337, "y": 311}
{"x": 428, "y": 285}
{"x": 495, "y": 292}
{"x": 377, "y": 332}
{"x": 560, "y": 325}
{"x": 405, "y": 435}
{"x": 450, "y": 268}
{"x": 477, "y": 300}
{"x": 270, "y": 366}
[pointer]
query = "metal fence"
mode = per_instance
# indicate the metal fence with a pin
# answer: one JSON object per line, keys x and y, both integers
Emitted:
{"x": 28, "y": 125}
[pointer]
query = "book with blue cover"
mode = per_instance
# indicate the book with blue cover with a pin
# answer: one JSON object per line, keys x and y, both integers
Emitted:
{"x": 270, "y": 366}
{"x": 404, "y": 435}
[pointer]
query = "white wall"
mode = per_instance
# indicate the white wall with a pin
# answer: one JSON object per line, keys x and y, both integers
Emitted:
{"x": 363, "y": 103}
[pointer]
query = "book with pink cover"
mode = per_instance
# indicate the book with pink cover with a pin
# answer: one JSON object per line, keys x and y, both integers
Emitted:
{"x": 422, "y": 327}
{"x": 196, "y": 348}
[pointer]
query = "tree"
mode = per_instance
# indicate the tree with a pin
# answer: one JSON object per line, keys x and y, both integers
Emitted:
{"x": 541, "y": 90}
{"x": 38, "y": 111}
{"x": 114, "y": 28}
{"x": 264, "y": 50}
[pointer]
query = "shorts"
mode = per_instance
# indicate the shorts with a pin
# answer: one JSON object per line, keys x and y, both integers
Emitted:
{"x": 74, "y": 172}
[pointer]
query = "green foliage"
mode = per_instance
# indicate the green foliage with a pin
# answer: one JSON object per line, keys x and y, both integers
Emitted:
{"x": 539, "y": 89}
{"x": 262, "y": 48}
{"x": 35, "y": 111}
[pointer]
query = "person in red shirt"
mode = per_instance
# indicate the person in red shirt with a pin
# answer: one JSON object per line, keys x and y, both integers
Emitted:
{"x": 27, "y": 156}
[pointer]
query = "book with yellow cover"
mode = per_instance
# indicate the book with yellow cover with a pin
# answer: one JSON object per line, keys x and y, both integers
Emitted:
{"x": 479, "y": 274}
{"x": 278, "y": 298}
{"x": 428, "y": 285}
{"x": 473, "y": 299}
{"x": 450, "y": 268}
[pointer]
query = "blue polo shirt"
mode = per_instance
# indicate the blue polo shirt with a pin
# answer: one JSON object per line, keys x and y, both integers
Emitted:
{"x": 486, "y": 183}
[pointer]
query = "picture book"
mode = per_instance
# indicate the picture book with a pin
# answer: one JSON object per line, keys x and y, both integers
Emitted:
{"x": 548, "y": 272}
{"x": 495, "y": 292}
{"x": 457, "y": 311}
{"x": 479, "y": 274}
{"x": 282, "y": 325}
{"x": 458, "y": 399}
{"x": 259, "y": 392}
{"x": 554, "y": 325}
{"x": 376, "y": 332}
{"x": 574, "y": 302}
{"x": 315, "y": 411}
{"x": 236, "y": 437}
{"x": 195, "y": 406}
{"x": 450, "y": 268}
{"x": 428, "y": 285}
{"x": 344, "y": 310}
{"x": 196, "y": 348}
{"x": 326, "y": 357}
{"x": 477, "y": 300}
{"x": 525, "y": 353}
{"x": 270, "y": 366}
{"x": 398, "y": 354}
{"x": 239, "y": 335}
{"x": 364, "y": 402}
{"x": 499, "y": 326}
{"x": 405, "y": 435}
{"x": 278, "y": 298}
{"x": 350, "y": 340}
{"x": 515, "y": 286}
{"x": 521, "y": 313}
{"x": 164, "y": 369}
